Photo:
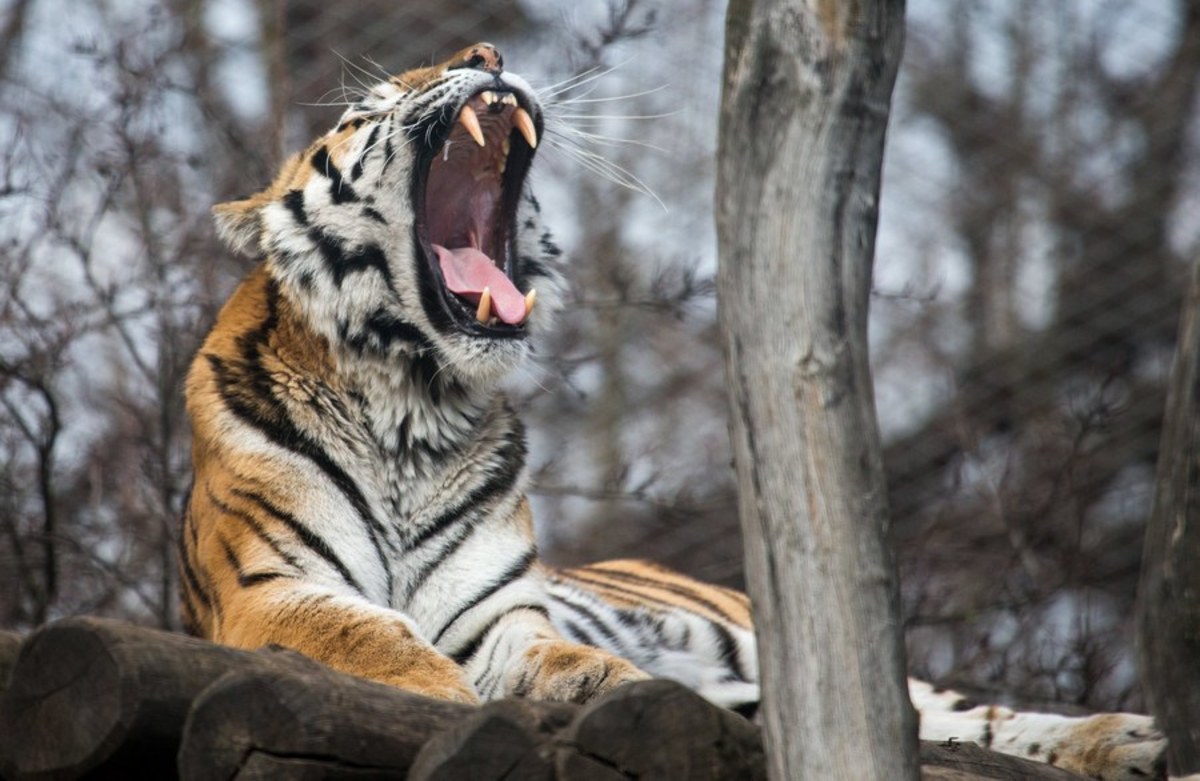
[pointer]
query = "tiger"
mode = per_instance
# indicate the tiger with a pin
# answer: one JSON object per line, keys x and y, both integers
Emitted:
{"x": 360, "y": 490}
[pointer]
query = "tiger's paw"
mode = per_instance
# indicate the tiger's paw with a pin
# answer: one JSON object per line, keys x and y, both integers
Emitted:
{"x": 567, "y": 672}
{"x": 439, "y": 678}
{"x": 1109, "y": 746}
{"x": 461, "y": 692}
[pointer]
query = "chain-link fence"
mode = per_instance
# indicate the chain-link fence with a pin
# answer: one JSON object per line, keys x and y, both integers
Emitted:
{"x": 1035, "y": 230}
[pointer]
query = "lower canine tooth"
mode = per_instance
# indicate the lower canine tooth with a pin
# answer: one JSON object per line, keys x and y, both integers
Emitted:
{"x": 471, "y": 123}
{"x": 484, "y": 312}
{"x": 524, "y": 123}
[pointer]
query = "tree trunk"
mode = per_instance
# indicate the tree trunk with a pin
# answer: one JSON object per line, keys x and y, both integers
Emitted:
{"x": 1169, "y": 598}
{"x": 9, "y": 643}
{"x": 805, "y": 105}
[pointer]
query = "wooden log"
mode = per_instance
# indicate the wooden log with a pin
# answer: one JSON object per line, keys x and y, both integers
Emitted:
{"x": 970, "y": 762}
{"x": 651, "y": 729}
{"x": 660, "y": 729}
{"x": 308, "y": 722}
{"x": 107, "y": 699}
{"x": 9, "y": 643}
{"x": 509, "y": 739}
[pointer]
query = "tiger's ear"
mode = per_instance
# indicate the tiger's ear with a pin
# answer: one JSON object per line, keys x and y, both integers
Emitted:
{"x": 239, "y": 224}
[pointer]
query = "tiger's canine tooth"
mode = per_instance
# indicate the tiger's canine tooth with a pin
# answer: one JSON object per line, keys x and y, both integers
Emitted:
{"x": 471, "y": 123}
{"x": 530, "y": 297}
{"x": 484, "y": 312}
{"x": 524, "y": 123}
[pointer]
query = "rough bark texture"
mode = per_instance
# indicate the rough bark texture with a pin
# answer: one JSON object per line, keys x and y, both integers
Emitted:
{"x": 300, "y": 721}
{"x": 806, "y": 97}
{"x": 9, "y": 643}
{"x": 90, "y": 695}
{"x": 1169, "y": 598}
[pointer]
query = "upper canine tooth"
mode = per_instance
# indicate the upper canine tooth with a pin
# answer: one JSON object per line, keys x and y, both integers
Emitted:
{"x": 530, "y": 297}
{"x": 484, "y": 312}
{"x": 471, "y": 123}
{"x": 524, "y": 123}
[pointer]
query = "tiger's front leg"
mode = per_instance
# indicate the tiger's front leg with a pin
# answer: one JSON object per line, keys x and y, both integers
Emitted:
{"x": 344, "y": 632}
{"x": 515, "y": 651}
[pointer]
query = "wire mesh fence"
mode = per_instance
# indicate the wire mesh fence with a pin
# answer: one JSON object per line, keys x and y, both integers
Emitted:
{"x": 1036, "y": 225}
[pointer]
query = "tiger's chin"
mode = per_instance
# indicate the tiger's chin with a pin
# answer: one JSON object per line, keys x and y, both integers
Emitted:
{"x": 480, "y": 361}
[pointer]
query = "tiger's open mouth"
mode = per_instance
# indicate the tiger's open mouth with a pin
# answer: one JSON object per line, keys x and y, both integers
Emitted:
{"x": 466, "y": 194}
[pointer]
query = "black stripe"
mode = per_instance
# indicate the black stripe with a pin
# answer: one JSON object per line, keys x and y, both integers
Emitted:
{"x": 468, "y": 651}
{"x": 389, "y": 154}
{"x": 245, "y": 579}
{"x": 515, "y": 571}
{"x": 374, "y": 214}
{"x": 548, "y": 245}
{"x": 596, "y": 621}
{"x": 379, "y": 332}
{"x": 357, "y": 169}
{"x": 512, "y": 460}
{"x": 255, "y": 527}
{"x": 674, "y": 588}
{"x": 230, "y": 556}
{"x": 532, "y": 267}
{"x": 427, "y": 373}
{"x": 497, "y": 676}
{"x": 304, "y": 534}
{"x": 419, "y": 577}
{"x": 188, "y": 529}
{"x": 389, "y": 328}
{"x": 577, "y": 633}
{"x": 193, "y": 582}
{"x": 294, "y": 201}
{"x": 729, "y": 650}
{"x": 342, "y": 262}
{"x": 575, "y": 575}
{"x": 340, "y": 190}
{"x": 257, "y": 578}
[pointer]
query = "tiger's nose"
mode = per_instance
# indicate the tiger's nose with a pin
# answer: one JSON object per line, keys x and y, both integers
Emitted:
{"x": 483, "y": 56}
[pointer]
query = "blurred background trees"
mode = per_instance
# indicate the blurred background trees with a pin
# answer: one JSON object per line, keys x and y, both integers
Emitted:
{"x": 1037, "y": 220}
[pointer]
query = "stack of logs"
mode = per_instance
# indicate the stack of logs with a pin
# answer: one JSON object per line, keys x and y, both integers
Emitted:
{"x": 87, "y": 697}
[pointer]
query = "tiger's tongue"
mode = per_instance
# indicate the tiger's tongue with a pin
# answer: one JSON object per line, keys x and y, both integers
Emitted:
{"x": 468, "y": 271}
